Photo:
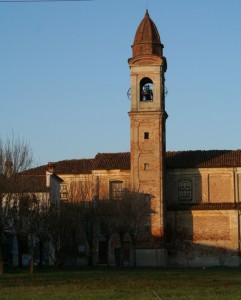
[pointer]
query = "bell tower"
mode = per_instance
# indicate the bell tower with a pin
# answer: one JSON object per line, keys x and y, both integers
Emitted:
{"x": 148, "y": 119}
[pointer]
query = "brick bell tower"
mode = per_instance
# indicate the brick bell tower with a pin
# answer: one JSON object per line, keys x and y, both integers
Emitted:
{"x": 148, "y": 119}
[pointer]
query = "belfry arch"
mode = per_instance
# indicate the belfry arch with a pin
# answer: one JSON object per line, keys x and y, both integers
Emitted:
{"x": 146, "y": 89}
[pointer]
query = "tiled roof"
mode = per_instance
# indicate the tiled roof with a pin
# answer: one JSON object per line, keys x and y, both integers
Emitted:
{"x": 102, "y": 161}
{"x": 121, "y": 161}
{"x": 35, "y": 183}
{"x": 147, "y": 31}
{"x": 147, "y": 39}
{"x": 29, "y": 184}
{"x": 41, "y": 170}
{"x": 204, "y": 159}
{"x": 72, "y": 166}
{"x": 108, "y": 161}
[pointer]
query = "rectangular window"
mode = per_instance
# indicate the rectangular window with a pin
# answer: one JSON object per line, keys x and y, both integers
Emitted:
{"x": 146, "y": 135}
{"x": 116, "y": 189}
{"x": 64, "y": 191}
{"x": 146, "y": 166}
{"x": 185, "y": 190}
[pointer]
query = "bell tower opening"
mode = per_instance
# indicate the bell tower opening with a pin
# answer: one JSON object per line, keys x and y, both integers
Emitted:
{"x": 146, "y": 89}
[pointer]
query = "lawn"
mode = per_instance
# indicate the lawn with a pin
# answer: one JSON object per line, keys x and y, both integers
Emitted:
{"x": 142, "y": 284}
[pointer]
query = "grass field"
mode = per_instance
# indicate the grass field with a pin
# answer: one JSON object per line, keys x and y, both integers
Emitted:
{"x": 141, "y": 284}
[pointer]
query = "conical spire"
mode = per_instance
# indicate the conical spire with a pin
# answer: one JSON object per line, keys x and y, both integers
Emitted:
{"x": 147, "y": 39}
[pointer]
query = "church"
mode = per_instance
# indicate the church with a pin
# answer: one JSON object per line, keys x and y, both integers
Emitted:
{"x": 195, "y": 194}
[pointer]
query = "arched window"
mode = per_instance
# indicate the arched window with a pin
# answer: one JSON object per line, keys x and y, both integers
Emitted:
{"x": 146, "y": 89}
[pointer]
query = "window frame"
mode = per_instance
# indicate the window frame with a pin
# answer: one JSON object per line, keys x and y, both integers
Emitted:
{"x": 116, "y": 193}
{"x": 185, "y": 190}
{"x": 64, "y": 191}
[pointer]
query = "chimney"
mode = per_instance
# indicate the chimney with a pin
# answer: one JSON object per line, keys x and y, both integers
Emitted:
{"x": 50, "y": 171}
{"x": 51, "y": 167}
{"x": 8, "y": 168}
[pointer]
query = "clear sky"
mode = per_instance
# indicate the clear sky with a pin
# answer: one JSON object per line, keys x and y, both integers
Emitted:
{"x": 64, "y": 74}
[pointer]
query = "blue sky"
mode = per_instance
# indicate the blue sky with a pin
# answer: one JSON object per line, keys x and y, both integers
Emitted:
{"x": 64, "y": 74}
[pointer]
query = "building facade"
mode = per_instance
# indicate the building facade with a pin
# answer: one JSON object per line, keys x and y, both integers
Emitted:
{"x": 195, "y": 195}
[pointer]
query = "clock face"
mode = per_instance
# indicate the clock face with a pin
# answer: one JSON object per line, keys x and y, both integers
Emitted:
{"x": 129, "y": 93}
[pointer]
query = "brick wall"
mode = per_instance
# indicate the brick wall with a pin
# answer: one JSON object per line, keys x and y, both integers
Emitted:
{"x": 214, "y": 185}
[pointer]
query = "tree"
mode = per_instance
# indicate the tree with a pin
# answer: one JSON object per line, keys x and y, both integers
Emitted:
{"x": 133, "y": 213}
{"x": 15, "y": 156}
{"x": 128, "y": 215}
{"x": 87, "y": 216}
{"x": 73, "y": 221}
{"x": 107, "y": 218}
{"x": 81, "y": 193}
{"x": 60, "y": 224}
{"x": 42, "y": 229}
{"x": 34, "y": 214}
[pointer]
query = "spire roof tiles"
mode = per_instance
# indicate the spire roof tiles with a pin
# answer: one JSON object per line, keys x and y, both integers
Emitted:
{"x": 147, "y": 39}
